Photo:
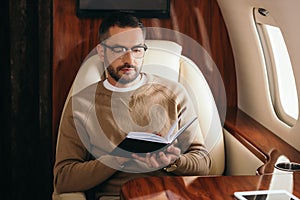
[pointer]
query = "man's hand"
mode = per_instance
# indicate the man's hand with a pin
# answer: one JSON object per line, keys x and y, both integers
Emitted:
{"x": 161, "y": 159}
{"x": 121, "y": 160}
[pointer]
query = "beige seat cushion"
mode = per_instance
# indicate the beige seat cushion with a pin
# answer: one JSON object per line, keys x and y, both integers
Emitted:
{"x": 209, "y": 120}
{"x": 69, "y": 196}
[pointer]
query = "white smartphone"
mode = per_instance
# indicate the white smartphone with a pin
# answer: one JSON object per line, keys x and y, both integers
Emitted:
{"x": 265, "y": 195}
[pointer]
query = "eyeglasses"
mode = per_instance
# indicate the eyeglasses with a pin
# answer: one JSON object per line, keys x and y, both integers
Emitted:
{"x": 137, "y": 51}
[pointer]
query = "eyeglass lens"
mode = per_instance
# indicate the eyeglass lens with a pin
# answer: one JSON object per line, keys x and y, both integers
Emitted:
{"x": 136, "y": 51}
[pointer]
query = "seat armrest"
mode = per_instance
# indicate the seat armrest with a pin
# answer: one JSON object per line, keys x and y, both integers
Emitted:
{"x": 69, "y": 196}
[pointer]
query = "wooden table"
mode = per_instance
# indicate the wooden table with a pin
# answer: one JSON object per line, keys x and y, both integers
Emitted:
{"x": 210, "y": 188}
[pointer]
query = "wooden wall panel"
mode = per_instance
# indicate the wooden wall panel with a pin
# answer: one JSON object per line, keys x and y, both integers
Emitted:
{"x": 26, "y": 137}
{"x": 201, "y": 20}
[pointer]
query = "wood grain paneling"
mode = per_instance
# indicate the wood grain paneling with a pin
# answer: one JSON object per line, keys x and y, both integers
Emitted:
{"x": 26, "y": 142}
{"x": 204, "y": 188}
{"x": 201, "y": 20}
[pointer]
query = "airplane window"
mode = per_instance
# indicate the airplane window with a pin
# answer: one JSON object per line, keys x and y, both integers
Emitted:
{"x": 280, "y": 72}
{"x": 284, "y": 72}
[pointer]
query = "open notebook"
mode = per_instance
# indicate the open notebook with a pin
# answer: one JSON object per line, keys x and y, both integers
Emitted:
{"x": 144, "y": 142}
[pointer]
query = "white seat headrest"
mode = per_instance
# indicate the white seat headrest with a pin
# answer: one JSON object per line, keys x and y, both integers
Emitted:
{"x": 162, "y": 58}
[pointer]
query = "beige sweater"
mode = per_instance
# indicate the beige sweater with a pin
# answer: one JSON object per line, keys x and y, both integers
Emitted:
{"x": 96, "y": 120}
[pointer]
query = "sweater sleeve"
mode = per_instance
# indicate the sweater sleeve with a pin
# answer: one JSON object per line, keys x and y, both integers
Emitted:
{"x": 195, "y": 159}
{"x": 72, "y": 171}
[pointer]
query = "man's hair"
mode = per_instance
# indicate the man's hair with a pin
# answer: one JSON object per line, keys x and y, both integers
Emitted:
{"x": 119, "y": 19}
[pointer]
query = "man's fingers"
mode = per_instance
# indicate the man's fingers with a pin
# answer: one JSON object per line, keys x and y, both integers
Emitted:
{"x": 174, "y": 150}
{"x": 165, "y": 160}
{"x": 153, "y": 161}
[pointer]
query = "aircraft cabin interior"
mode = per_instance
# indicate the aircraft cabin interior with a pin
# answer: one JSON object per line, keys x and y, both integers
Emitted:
{"x": 238, "y": 60}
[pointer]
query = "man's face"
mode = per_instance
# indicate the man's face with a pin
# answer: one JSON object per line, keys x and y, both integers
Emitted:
{"x": 123, "y": 55}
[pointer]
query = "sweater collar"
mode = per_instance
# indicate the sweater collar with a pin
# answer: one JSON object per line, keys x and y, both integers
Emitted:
{"x": 112, "y": 88}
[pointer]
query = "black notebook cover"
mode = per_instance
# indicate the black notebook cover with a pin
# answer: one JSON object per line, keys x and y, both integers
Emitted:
{"x": 130, "y": 145}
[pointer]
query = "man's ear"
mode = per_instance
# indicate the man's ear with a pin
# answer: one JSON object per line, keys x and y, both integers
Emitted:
{"x": 100, "y": 51}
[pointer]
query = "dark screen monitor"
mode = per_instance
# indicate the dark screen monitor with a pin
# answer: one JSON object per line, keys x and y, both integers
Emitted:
{"x": 140, "y": 8}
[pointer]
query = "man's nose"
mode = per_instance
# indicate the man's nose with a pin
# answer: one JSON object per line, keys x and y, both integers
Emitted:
{"x": 128, "y": 57}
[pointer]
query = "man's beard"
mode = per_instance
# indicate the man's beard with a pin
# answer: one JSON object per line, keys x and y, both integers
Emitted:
{"x": 123, "y": 79}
